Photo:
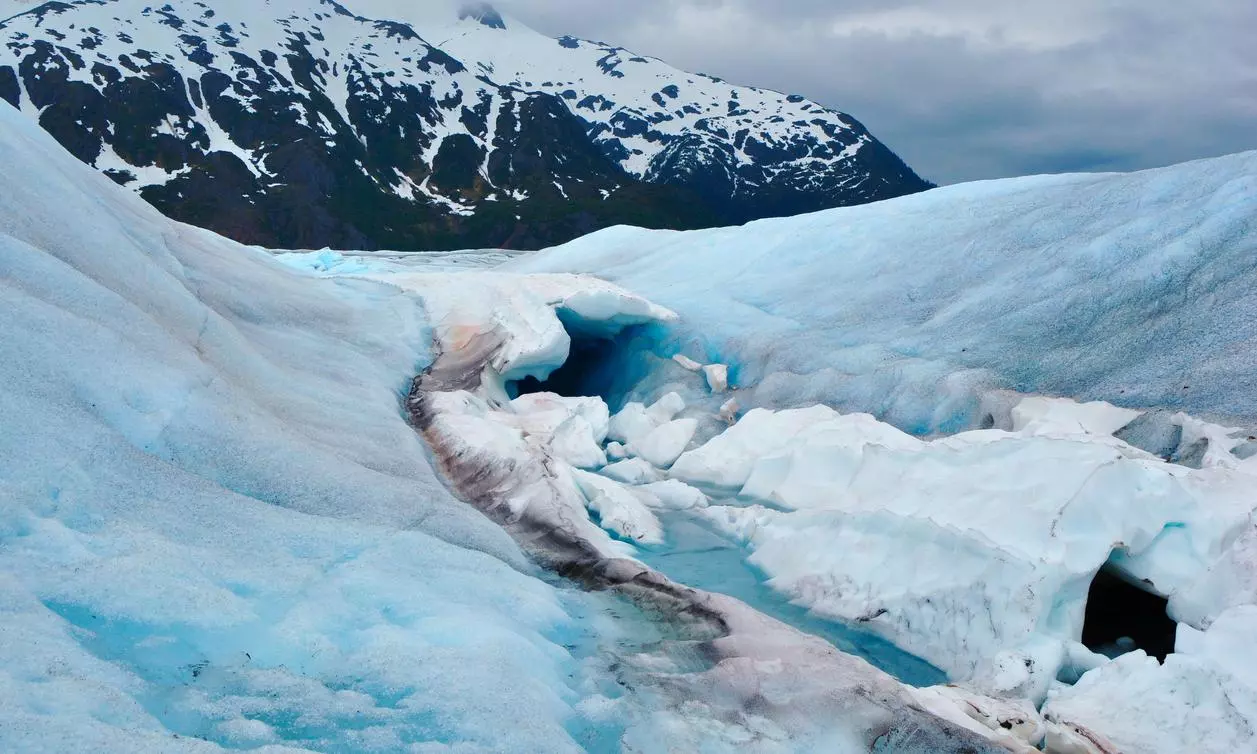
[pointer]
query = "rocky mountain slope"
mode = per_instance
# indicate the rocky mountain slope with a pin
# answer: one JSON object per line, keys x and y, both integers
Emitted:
{"x": 311, "y": 123}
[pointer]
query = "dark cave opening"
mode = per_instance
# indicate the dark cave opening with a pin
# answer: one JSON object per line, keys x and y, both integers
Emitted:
{"x": 601, "y": 364}
{"x": 583, "y": 374}
{"x": 1122, "y": 617}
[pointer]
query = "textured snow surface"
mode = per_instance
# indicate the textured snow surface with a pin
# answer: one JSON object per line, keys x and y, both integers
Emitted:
{"x": 1137, "y": 289}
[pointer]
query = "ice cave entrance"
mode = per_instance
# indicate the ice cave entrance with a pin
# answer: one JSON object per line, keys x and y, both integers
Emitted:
{"x": 1123, "y": 616}
{"x": 604, "y": 360}
{"x": 583, "y": 374}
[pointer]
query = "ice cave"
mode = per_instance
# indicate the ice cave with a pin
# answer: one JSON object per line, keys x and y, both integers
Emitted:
{"x": 1123, "y": 616}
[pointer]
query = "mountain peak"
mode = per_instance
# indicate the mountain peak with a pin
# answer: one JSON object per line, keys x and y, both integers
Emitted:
{"x": 484, "y": 13}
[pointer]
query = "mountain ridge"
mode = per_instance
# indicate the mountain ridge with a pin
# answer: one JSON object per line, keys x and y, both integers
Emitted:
{"x": 312, "y": 125}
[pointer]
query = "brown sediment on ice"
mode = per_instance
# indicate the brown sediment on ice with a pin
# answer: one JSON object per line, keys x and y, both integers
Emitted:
{"x": 756, "y": 665}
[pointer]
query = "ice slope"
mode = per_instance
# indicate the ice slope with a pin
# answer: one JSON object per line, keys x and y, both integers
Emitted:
{"x": 216, "y": 529}
{"x": 1138, "y": 289}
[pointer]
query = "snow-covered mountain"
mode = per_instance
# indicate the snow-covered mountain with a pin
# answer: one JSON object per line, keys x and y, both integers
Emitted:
{"x": 371, "y": 123}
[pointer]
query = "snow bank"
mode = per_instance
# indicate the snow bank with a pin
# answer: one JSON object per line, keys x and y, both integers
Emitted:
{"x": 1136, "y": 289}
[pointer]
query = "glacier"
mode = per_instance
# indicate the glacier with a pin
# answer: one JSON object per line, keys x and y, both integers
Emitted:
{"x": 220, "y": 528}
{"x": 842, "y": 482}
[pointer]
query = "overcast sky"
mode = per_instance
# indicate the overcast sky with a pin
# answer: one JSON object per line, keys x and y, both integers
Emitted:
{"x": 966, "y": 89}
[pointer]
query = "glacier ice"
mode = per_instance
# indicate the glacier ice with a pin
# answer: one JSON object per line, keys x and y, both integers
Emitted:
{"x": 1135, "y": 289}
{"x": 216, "y": 530}
{"x": 220, "y": 528}
{"x": 717, "y": 377}
{"x": 801, "y": 692}
{"x": 619, "y": 510}
{"x": 966, "y": 514}
{"x": 634, "y": 471}
{"x": 1202, "y": 699}
{"x": 665, "y": 443}
{"x": 998, "y": 533}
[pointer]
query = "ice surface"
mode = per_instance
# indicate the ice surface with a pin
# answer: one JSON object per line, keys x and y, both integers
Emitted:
{"x": 1136, "y": 289}
{"x": 216, "y": 528}
{"x": 573, "y": 441}
{"x": 1014, "y": 724}
{"x": 675, "y": 494}
{"x": 629, "y": 423}
{"x": 635, "y": 421}
{"x": 717, "y": 377}
{"x": 633, "y": 471}
{"x": 619, "y": 510}
{"x": 1039, "y": 415}
{"x": 686, "y": 362}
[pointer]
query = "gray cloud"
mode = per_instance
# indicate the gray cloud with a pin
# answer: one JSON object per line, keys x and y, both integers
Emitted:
{"x": 967, "y": 89}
